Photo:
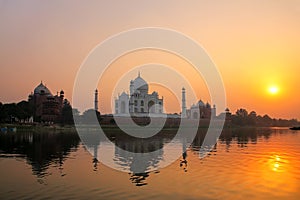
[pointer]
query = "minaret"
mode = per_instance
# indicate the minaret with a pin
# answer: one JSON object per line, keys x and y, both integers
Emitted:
{"x": 131, "y": 87}
{"x": 183, "y": 104}
{"x": 214, "y": 111}
{"x": 96, "y": 100}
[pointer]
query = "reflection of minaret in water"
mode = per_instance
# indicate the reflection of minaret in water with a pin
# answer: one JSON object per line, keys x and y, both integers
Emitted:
{"x": 96, "y": 100}
{"x": 95, "y": 159}
{"x": 183, "y": 104}
{"x": 183, "y": 161}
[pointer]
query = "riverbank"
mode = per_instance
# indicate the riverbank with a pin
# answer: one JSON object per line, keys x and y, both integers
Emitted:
{"x": 37, "y": 127}
{"x": 109, "y": 128}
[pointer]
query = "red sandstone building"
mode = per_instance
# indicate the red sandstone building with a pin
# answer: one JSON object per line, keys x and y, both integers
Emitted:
{"x": 46, "y": 107}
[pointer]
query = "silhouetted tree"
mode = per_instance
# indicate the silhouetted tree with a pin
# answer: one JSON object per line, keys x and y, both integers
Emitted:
{"x": 13, "y": 112}
{"x": 25, "y": 110}
{"x": 88, "y": 116}
{"x": 10, "y": 113}
{"x": 252, "y": 118}
{"x": 267, "y": 121}
{"x": 241, "y": 117}
{"x": 66, "y": 113}
{"x": 75, "y": 112}
{"x": 242, "y": 112}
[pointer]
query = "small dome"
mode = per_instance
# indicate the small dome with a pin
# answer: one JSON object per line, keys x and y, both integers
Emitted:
{"x": 42, "y": 89}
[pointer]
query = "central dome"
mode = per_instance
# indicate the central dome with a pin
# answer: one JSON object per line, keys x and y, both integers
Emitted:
{"x": 140, "y": 84}
{"x": 42, "y": 89}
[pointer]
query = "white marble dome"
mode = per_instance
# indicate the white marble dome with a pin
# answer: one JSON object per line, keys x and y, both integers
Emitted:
{"x": 140, "y": 84}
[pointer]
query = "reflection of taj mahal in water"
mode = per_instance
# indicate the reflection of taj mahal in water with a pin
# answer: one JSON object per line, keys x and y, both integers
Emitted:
{"x": 140, "y": 103}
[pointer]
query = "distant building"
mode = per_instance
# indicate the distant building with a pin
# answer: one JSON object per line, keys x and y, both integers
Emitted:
{"x": 139, "y": 102}
{"x": 46, "y": 107}
{"x": 226, "y": 115}
{"x": 201, "y": 110}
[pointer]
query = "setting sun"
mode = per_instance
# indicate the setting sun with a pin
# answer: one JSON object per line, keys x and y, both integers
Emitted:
{"x": 273, "y": 90}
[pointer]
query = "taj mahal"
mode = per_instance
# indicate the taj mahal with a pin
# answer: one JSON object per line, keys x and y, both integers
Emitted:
{"x": 139, "y": 102}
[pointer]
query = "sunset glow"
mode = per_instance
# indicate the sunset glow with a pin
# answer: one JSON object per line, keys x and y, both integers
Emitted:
{"x": 37, "y": 44}
{"x": 150, "y": 99}
{"x": 273, "y": 90}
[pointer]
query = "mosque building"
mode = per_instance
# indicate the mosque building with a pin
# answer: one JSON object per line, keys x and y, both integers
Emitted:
{"x": 198, "y": 110}
{"x": 46, "y": 106}
{"x": 201, "y": 110}
{"x": 139, "y": 102}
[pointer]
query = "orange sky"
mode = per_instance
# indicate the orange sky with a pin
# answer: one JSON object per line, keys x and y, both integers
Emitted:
{"x": 254, "y": 44}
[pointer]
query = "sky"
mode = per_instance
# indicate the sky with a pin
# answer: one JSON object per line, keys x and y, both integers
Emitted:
{"x": 255, "y": 45}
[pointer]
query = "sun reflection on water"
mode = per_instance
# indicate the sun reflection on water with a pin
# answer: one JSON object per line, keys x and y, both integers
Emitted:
{"x": 276, "y": 173}
{"x": 278, "y": 163}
